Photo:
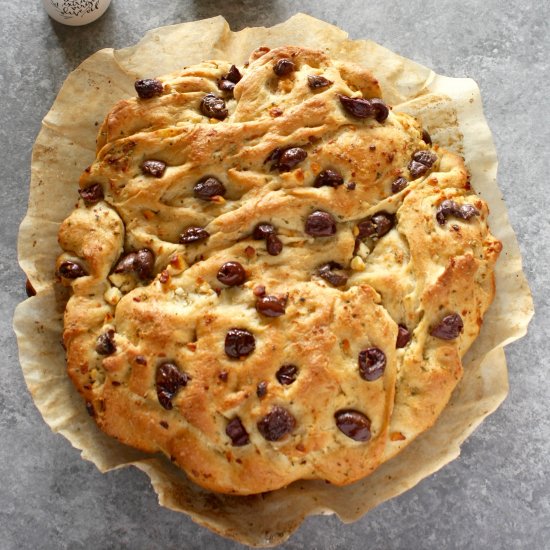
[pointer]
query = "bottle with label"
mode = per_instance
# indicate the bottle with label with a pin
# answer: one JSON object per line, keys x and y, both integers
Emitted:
{"x": 75, "y": 12}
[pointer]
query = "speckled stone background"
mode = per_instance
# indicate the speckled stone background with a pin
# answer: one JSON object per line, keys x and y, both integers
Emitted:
{"x": 497, "y": 494}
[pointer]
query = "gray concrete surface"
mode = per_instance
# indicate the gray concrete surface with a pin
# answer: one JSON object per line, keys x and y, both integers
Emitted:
{"x": 497, "y": 494}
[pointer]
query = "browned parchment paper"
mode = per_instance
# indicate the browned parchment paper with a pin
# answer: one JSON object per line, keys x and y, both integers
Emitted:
{"x": 452, "y": 112}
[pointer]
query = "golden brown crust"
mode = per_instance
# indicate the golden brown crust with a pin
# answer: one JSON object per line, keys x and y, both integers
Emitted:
{"x": 122, "y": 326}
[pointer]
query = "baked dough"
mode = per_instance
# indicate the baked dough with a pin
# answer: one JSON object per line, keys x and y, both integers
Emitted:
{"x": 274, "y": 275}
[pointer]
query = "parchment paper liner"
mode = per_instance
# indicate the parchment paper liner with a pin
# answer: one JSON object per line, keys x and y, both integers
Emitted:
{"x": 452, "y": 112}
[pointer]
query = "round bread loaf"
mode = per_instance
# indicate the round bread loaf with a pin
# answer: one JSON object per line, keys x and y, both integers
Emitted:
{"x": 274, "y": 276}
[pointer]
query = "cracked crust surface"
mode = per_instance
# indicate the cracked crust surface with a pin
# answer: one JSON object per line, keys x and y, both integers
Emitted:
{"x": 414, "y": 275}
